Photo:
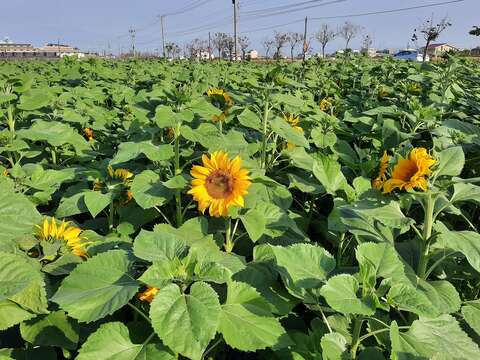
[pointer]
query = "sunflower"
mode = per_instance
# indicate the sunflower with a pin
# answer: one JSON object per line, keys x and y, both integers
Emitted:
{"x": 411, "y": 173}
{"x": 383, "y": 93}
{"x": 88, "y": 134}
{"x": 5, "y": 173}
{"x": 148, "y": 294}
{"x": 66, "y": 233}
{"x": 294, "y": 122}
{"x": 119, "y": 174}
{"x": 382, "y": 171}
{"x": 221, "y": 99}
{"x": 326, "y": 104}
{"x": 219, "y": 183}
{"x": 415, "y": 88}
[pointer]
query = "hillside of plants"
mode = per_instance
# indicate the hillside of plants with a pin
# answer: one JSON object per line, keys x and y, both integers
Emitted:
{"x": 284, "y": 211}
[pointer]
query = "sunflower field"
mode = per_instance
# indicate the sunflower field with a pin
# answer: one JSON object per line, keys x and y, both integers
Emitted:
{"x": 290, "y": 211}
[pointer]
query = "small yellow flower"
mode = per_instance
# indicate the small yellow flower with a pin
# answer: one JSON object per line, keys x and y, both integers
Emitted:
{"x": 88, "y": 134}
{"x": 411, "y": 173}
{"x": 382, "y": 171}
{"x": 66, "y": 233}
{"x": 415, "y": 88}
{"x": 383, "y": 93}
{"x": 219, "y": 183}
{"x": 148, "y": 294}
{"x": 326, "y": 104}
{"x": 5, "y": 173}
{"x": 119, "y": 174}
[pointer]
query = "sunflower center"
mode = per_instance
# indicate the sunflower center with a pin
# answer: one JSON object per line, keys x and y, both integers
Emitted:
{"x": 409, "y": 170}
{"x": 219, "y": 184}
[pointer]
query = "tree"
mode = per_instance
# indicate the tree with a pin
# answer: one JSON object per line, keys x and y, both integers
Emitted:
{"x": 244, "y": 43}
{"x": 475, "y": 31}
{"x": 196, "y": 47}
{"x": 348, "y": 32}
{"x": 220, "y": 43}
{"x": 230, "y": 46}
{"x": 294, "y": 39}
{"x": 280, "y": 41}
{"x": 173, "y": 50}
{"x": 268, "y": 45}
{"x": 430, "y": 32}
{"x": 324, "y": 36}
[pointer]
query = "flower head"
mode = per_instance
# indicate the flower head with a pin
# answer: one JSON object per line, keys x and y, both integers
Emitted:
{"x": 219, "y": 183}
{"x": 383, "y": 93}
{"x": 382, "y": 172}
{"x": 118, "y": 182}
{"x": 70, "y": 235}
{"x": 326, "y": 104}
{"x": 119, "y": 174}
{"x": 148, "y": 294}
{"x": 294, "y": 122}
{"x": 5, "y": 173}
{"x": 88, "y": 134}
{"x": 415, "y": 88}
{"x": 411, "y": 173}
{"x": 221, "y": 99}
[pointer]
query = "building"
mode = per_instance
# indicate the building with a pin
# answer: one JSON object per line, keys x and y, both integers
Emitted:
{"x": 252, "y": 55}
{"x": 61, "y": 50}
{"x": 475, "y": 52}
{"x": 370, "y": 52}
{"x": 11, "y": 50}
{"x": 434, "y": 50}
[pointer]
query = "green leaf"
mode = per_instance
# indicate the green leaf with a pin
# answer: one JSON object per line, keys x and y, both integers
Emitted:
{"x": 329, "y": 173}
{"x": 287, "y": 132}
{"x": 465, "y": 192}
{"x": 323, "y": 139}
{"x": 34, "y": 99}
{"x": 97, "y": 287}
{"x": 429, "y": 338}
{"x": 254, "y": 223}
{"x": 340, "y": 292}
{"x": 382, "y": 258}
{"x": 246, "y": 322}
{"x": 186, "y": 323}
{"x": 112, "y": 342}
{"x": 96, "y": 202}
{"x": 29, "y": 354}
{"x": 16, "y": 275}
{"x": 465, "y": 242}
{"x": 54, "y": 329}
{"x": 12, "y": 314}
{"x": 249, "y": 119}
{"x": 155, "y": 246}
{"x": 334, "y": 346}
{"x": 18, "y": 215}
{"x": 303, "y": 266}
{"x": 451, "y": 162}
{"x": 204, "y": 108}
{"x": 471, "y": 314}
{"x": 72, "y": 205}
{"x": 148, "y": 191}
{"x": 131, "y": 150}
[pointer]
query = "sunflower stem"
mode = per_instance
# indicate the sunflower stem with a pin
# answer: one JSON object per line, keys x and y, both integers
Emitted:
{"x": 266, "y": 111}
{"x": 357, "y": 328}
{"x": 111, "y": 215}
{"x": 228, "y": 236}
{"x": 178, "y": 171}
{"x": 427, "y": 233}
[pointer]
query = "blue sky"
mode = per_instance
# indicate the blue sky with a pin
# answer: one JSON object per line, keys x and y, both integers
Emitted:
{"x": 96, "y": 24}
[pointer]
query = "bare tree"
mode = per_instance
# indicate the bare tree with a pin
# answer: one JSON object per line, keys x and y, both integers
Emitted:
{"x": 173, "y": 50}
{"x": 475, "y": 31}
{"x": 367, "y": 42}
{"x": 294, "y": 39}
{"x": 196, "y": 48}
{"x": 230, "y": 46}
{"x": 324, "y": 36}
{"x": 244, "y": 43}
{"x": 430, "y": 32}
{"x": 280, "y": 41}
{"x": 348, "y": 32}
{"x": 219, "y": 43}
{"x": 268, "y": 46}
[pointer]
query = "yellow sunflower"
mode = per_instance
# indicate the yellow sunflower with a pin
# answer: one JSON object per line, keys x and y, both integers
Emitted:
{"x": 326, "y": 104}
{"x": 294, "y": 122}
{"x": 382, "y": 171}
{"x": 411, "y": 173}
{"x": 382, "y": 93}
{"x": 415, "y": 88}
{"x": 88, "y": 134}
{"x": 148, "y": 294}
{"x": 219, "y": 183}
{"x": 66, "y": 233}
{"x": 5, "y": 173}
{"x": 119, "y": 174}
{"x": 221, "y": 99}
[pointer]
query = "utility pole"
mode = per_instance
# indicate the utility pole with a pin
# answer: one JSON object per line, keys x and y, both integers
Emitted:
{"x": 305, "y": 43}
{"x": 132, "y": 34}
{"x": 209, "y": 46}
{"x": 234, "y": 2}
{"x": 162, "y": 17}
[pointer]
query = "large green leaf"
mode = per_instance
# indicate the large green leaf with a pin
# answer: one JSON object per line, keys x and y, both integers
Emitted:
{"x": 97, "y": 287}
{"x": 18, "y": 215}
{"x": 148, "y": 191}
{"x": 186, "y": 323}
{"x": 112, "y": 342}
{"x": 471, "y": 314}
{"x": 430, "y": 338}
{"x": 287, "y": 132}
{"x": 246, "y": 322}
{"x": 96, "y": 201}
{"x": 54, "y": 329}
{"x": 34, "y": 99}
{"x": 334, "y": 346}
{"x": 131, "y": 150}
{"x": 156, "y": 246}
{"x": 12, "y": 314}
{"x": 329, "y": 173}
{"x": 465, "y": 242}
{"x": 451, "y": 161}
{"x": 340, "y": 292}
{"x": 16, "y": 274}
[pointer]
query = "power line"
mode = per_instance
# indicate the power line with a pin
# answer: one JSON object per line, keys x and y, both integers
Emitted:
{"x": 292, "y": 10}
{"x": 388, "y": 11}
{"x": 279, "y": 8}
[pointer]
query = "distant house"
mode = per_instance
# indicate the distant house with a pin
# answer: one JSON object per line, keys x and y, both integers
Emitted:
{"x": 252, "y": 55}
{"x": 475, "y": 52}
{"x": 434, "y": 50}
{"x": 370, "y": 52}
{"x": 11, "y": 50}
{"x": 62, "y": 50}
